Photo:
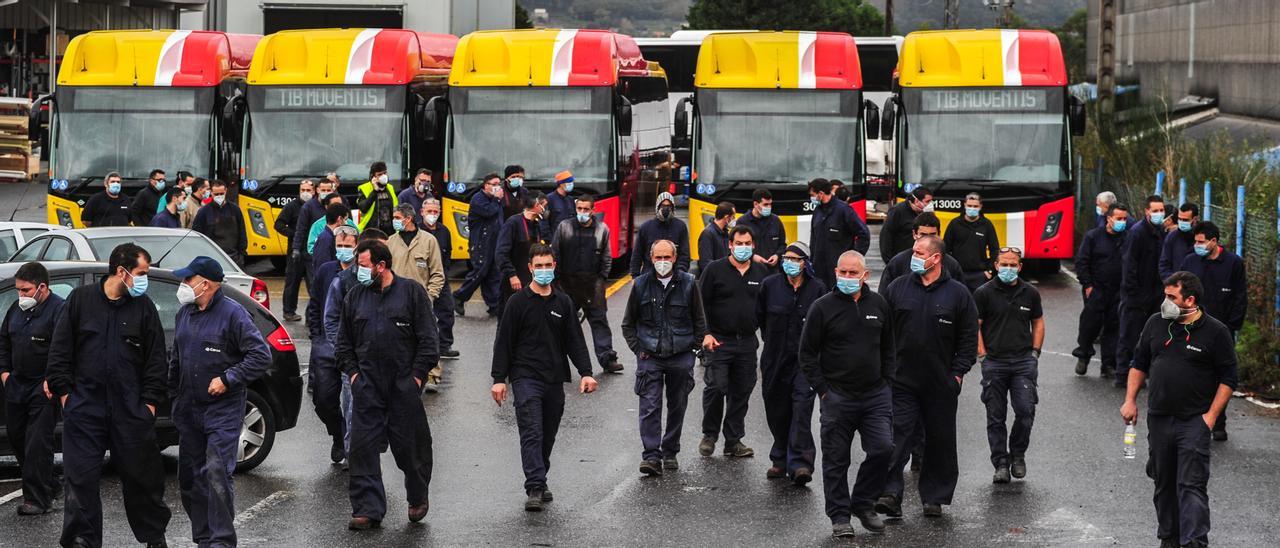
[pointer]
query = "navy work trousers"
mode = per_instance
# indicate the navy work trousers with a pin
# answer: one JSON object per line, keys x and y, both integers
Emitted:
{"x": 1100, "y": 316}
{"x": 842, "y": 417}
{"x": 788, "y": 409}
{"x": 29, "y": 419}
{"x": 730, "y": 377}
{"x": 442, "y": 307}
{"x": 326, "y": 387}
{"x": 208, "y": 439}
{"x": 485, "y": 276}
{"x": 934, "y": 413}
{"x": 1005, "y": 382}
{"x": 539, "y": 406}
{"x": 387, "y": 412}
{"x": 1132, "y": 318}
{"x": 1179, "y": 464}
{"x": 672, "y": 376}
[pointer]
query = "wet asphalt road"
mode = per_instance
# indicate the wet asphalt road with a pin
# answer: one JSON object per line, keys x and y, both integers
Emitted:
{"x": 1079, "y": 490}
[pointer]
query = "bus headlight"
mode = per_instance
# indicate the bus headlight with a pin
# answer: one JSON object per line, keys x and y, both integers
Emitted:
{"x": 1051, "y": 225}
{"x": 460, "y": 221}
{"x": 259, "y": 223}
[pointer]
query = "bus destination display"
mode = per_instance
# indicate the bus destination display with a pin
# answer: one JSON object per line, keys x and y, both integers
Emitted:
{"x": 984, "y": 100}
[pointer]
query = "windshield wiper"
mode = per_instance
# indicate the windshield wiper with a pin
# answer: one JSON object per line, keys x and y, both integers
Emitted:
{"x": 975, "y": 180}
{"x": 1002, "y": 184}
{"x": 735, "y": 182}
{"x": 277, "y": 179}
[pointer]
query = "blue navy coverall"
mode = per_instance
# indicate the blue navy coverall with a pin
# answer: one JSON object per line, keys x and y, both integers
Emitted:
{"x": 1176, "y": 246}
{"x": 484, "y": 219}
{"x": 323, "y": 375}
{"x": 387, "y": 340}
{"x": 217, "y": 342}
{"x": 835, "y": 229}
{"x": 1141, "y": 289}
{"x": 29, "y": 415}
{"x": 443, "y": 305}
{"x": 108, "y": 357}
{"x": 788, "y": 398}
{"x": 1098, "y": 266}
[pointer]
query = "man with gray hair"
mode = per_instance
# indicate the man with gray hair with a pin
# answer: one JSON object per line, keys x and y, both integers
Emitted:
{"x": 1102, "y": 204}
{"x": 663, "y": 324}
{"x": 415, "y": 255}
{"x": 972, "y": 240}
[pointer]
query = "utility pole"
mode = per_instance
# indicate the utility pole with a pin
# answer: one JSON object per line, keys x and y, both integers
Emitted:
{"x": 1106, "y": 56}
{"x": 951, "y": 14}
{"x": 888, "y": 17}
{"x": 1003, "y": 10}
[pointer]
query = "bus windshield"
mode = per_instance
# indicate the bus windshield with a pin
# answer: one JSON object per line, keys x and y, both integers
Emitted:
{"x": 545, "y": 130}
{"x": 312, "y": 130}
{"x": 783, "y": 136}
{"x": 132, "y": 130}
{"x": 985, "y": 135}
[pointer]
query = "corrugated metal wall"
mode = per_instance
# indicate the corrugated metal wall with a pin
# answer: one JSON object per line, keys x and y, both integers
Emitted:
{"x": 84, "y": 16}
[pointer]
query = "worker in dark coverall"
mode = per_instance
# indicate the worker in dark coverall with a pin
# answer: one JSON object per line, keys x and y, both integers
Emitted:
{"x": 386, "y": 345}
{"x": 834, "y": 229}
{"x": 30, "y": 413}
{"x": 484, "y": 219}
{"x": 217, "y": 353}
{"x": 1140, "y": 282}
{"x": 107, "y": 366}
{"x": 1098, "y": 267}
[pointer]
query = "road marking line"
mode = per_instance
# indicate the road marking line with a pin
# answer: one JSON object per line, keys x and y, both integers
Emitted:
{"x": 11, "y": 496}
{"x": 262, "y": 506}
{"x": 617, "y": 285}
{"x": 1071, "y": 275}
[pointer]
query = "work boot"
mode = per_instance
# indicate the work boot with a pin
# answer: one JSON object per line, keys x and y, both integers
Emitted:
{"x": 670, "y": 463}
{"x": 1169, "y": 543}
{"x": 547, "y": 496}
{"x": 80, "y": 542}
{"x": 842, "y": 530}
{"x": 802, "y": 477}
{"x": 338, "y": 450}
{"x": 1082, "y": 366}
{"x": 460, "y": 308}
{"x": 1002, "y": 474}
{"x": 915, "y": 463}
{"x": 889, "y": 505}
{"x": 932, "y": 510}
{"x": 775, "y": 472}
{"x": 361, "y": 523}
{"x": 431, "y": 387}
{"x": 707, "y": 447}
{"x": 651, "y": 468}
{"x": 1219, "y": 435}
{"x": 737, "y": 449}
{"x": 1107, "y": 371}
{"x": 534, "y": 502}
{"x": 292, "y": 317}
{"x": 416, "y": 513}
{"x": 1019, "y": 467}
{"x": 870, "y": 520}
{"x": 28, "y": 509}
{"x": 158, "y": 544}
{"x": 612, "y": 366}
{"x": 449, "y": 353}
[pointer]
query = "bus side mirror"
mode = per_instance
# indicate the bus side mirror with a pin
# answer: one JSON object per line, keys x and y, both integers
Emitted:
{"x": 682, "y": 121}
{"x": 624, "y": 117}
{"x": 888, "y": 119}
{"x": 233, "y": 119}
{"x": 871, "y": 119}
{"x": 39, "y": 117}
{"x": 1076, "y": 115}
{"x": 433, "y": 116}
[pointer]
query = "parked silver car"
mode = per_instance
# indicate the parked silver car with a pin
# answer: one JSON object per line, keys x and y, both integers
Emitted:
{"x": 15, "y": 234}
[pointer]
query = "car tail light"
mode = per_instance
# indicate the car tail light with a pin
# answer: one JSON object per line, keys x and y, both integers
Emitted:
{"x": 280, "y": 340}
{"x": 260, "y": 294}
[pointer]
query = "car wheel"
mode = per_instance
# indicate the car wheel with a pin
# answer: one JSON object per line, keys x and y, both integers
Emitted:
{"x": 257, "y": 433}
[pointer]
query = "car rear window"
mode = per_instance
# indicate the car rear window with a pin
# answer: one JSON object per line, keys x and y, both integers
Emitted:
{"x": 174, "y": 256}
{"x": 8, "y": 244}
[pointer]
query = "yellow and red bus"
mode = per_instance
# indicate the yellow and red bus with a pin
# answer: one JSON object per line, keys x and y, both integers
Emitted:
{"x": 774, "y": 110}
{"x": 988, "y": 111}
{"x": 552, "y": 100}
{"x": 135, "y": 100}
{"x": 334, "y": 100}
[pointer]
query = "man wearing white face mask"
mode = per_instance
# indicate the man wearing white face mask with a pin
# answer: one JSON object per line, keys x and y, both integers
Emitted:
{"x": 217, "y": 353}
{"x": 419, "y": 191}
{"x": 223, "y": 223}
{"x": 377, "y": 200}
{"x": 30, "y": 413}
{"x": 443, "y": 306}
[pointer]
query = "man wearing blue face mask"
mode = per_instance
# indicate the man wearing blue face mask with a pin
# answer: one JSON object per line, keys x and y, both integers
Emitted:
{"x": 972, "y": 240}
{"x": 171, "y": 215}
{"x": 770, "y": 236}
{"x": 781, "y": 309}
{"x": 514, "y": 190}
{"x": 1225, "y": 295}
{"x": 1098, "y": 267}
{"x": 1178, "y": 242}
{"x": 583, "y": 261}
{"x": 1141, "y": 288}
{"x": 559, "y": 202}
{"x": 730, "y": 288}
{"x": 713, "y": 243}
{"x": 1010, "y": 335}
{"x": 834, "y": 229}
{"x": 108, "y": 368}
{"x": 323, "y": 376}
{"x": 110, "y": 208}
{"x": 147, "y": 200}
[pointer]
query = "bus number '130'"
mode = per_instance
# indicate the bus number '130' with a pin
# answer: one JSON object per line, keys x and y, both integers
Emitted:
{"x": 808, "y": 206}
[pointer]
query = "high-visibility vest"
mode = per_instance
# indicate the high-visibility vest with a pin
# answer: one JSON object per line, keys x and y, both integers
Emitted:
{"x": 365, "y": 190}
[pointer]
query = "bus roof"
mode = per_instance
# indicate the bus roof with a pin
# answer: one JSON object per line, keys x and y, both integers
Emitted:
{"x": 177, "y": 58}
{"x": 779, "y": 60}
{"x": 546, "y": 57}
{"x": 974, "y": 58}
{"x": 351, "y": 56}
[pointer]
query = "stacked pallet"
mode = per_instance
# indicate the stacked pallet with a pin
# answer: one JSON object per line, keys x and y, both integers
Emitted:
{"x": 16, "y": 161}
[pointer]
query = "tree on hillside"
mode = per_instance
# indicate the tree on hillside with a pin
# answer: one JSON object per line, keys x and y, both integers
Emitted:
{"x": 1072, "y": 37}
{"x": 852, "y": 16}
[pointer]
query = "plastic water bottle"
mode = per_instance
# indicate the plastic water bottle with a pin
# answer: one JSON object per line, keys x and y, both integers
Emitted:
{"x": 1130, "y": 442}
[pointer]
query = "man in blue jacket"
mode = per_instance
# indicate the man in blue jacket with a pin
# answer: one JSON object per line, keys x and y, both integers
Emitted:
{"x": 443, "y": 306}
{"x": 1141, "y": 288}
{"x": 386, "y": 345}
{"x": 323, "y": 375}
{"x": 1098, "y": 267}
{"x": 515, "y": 237}
{"x": 664, "y": 226}
{"x": 484, "y": 219}
{"x": 30, "y": 413}
{"x": 1225, "y": 296}
{"x": 1177, "y": 243}
{"x": 834, "y": 229}
{"x": 770, "y": 236}
{"x": 217, "y": 353}
{"x": 932, "y": 307}
{"x": 782, "y": 307}
{"x": 107, "y": 366}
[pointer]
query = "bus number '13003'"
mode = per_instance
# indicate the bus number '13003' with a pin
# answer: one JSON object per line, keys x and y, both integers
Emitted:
{"x": 948, "y": 204}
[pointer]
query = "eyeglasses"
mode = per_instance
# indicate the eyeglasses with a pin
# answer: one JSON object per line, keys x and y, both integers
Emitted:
{"x": 1014, "y": 250}
{"x": 793, "y": 259}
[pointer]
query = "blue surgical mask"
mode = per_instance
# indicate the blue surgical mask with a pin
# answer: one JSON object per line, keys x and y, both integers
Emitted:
{"x": 516, "y": 182}
{"x": 971, "y": 212}
{"x": 1157, "y": 218}
{"x": 568, "y": 187}
{"x": 742, "y": 252}
{"x": 1202, "y": 249}
{"x": 544, "y": 276}
{"x": 917, "y": 265}
{"x": 397, "y": 224}
{"x": 584, "y": 218}
{"x": 792, "y": 269}
{"x": 766, "y": 211}
{"x": 849, "y": 286}
{"x": 182, "y": 205}
{"x": 345, "y": 254}
{"x": 364, "y": 275}
{"x": 1184, "y": 226}
{"x": 113, "y": 188}
{"x": 160, "y": 185}
{"x": 814, "y": 201}
{"x": 139, "y": 287}
{"x": 1120, "y": 225}
{"x": 1007, "y": 274}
